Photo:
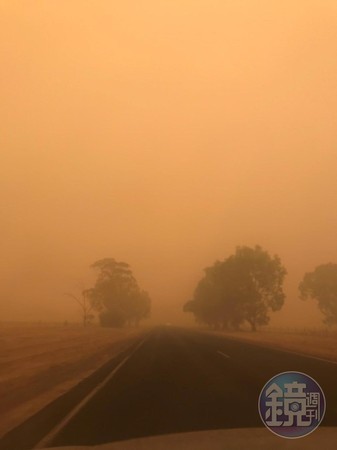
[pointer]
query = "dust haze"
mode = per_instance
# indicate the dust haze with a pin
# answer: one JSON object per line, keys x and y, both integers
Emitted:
{"x": 164, "y": 134}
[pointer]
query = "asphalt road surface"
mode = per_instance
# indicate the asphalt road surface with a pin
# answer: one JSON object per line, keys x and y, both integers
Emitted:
{"x": 182, "y": 380}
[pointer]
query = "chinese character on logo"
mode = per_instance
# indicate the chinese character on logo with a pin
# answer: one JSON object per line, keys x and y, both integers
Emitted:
{"x": 292, "y": 404}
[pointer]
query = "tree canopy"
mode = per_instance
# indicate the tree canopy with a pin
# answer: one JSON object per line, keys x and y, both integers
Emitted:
{"x": 116, "y": 294}
{"x": 244, "y": 287}
{"x": 321, "y": 285}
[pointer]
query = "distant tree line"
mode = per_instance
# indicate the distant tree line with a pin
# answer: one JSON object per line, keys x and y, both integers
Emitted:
{"x": 248, "y": 285}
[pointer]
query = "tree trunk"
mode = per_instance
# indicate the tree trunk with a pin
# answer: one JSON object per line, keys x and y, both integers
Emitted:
{"x": 252, "y": 324}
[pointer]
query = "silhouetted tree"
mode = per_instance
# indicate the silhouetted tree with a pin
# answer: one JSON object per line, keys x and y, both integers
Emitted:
{"x": 116, "y": 294}
{"x": 244, "y": 287}
{"x": 85, "y": 305}
{"x": 321, "y": 285}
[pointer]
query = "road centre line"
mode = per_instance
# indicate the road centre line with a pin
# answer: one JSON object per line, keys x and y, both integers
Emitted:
{"x": 53, "y": 433}
{"x": 223, "y": 354}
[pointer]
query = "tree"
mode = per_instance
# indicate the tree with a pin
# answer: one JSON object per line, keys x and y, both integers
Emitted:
{"x": 258, "y": 284}
{"x": 244, "y": 287}
{"x": 85, "y": 305}
{"x": 321, "y": 285}
{"x": 214, "y": 302}
{"x": 116, "y": 294}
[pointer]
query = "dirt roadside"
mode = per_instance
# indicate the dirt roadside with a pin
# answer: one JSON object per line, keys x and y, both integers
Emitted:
{"x": 320, "y": 344}
{"x": 38, "y": 363}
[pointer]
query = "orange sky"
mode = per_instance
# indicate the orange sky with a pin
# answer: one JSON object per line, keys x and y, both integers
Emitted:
{"x": 164, "y": 133}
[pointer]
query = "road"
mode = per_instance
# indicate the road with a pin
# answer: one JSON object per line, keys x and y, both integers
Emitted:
{"x": 182, "y": 380}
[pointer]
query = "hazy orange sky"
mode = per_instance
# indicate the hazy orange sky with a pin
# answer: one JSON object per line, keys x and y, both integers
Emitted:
{"x": 164, "y": 133}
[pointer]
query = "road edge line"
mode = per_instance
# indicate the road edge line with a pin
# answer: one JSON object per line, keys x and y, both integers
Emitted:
{"x": 270, "y": 347}
{"x": 46, "y": 440}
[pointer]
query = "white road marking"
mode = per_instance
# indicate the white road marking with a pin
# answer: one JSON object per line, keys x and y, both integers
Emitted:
{"x": 53, "y": 433}
{"x": 223, "y": 354}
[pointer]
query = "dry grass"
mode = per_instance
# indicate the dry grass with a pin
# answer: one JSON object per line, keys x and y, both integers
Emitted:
{"x": 40, "y": 362}
{"x": 319, "y": 342}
